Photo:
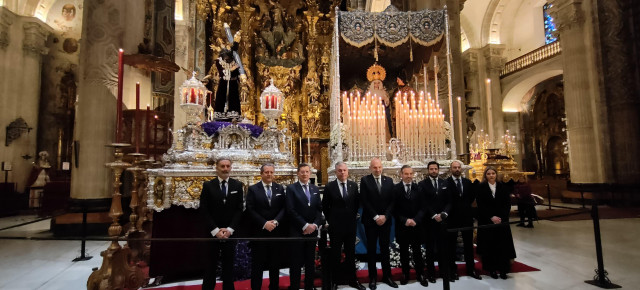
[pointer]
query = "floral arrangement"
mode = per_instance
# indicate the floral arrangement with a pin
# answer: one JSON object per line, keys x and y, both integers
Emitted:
{"x": 211, "y": 128}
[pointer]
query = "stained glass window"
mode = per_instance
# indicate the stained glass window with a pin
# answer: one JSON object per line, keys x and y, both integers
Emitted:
{"x": 549, "y": 25}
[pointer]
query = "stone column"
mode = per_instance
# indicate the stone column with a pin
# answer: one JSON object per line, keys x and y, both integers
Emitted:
{"x": 588, "y": 158}
{"x": 104, "y": 31}
{"x": 494, "y": 63}
{"x": 164, "y": 46}
{"x": 474, "y": 93}
{"x": 620, "y": 89}
{"x": 457, "y": 77}
{"x": 22, "y": 44}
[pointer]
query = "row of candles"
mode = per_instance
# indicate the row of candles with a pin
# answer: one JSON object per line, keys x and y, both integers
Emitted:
{"x": 420, "y": 126}
{"x": 137, "y": 123}
{"x": 364, "y": 120}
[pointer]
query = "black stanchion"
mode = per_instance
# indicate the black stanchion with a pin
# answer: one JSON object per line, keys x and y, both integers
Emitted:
{"x": 325, "y": 260}
{"x": 548, "y": 194}
{"x": 601, "y": 280}
{"x": 443, "y": 253}
{"x": 83, "y": 243}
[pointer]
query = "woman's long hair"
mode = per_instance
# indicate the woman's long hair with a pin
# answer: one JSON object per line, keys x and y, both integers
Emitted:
{"x": 484, "y": 175}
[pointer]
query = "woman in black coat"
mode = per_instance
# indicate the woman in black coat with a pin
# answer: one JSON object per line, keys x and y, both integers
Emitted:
{"x": 495, "y": 244}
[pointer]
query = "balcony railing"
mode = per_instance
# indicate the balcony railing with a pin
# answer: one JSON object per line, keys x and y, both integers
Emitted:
{"x": 532, "y": 58}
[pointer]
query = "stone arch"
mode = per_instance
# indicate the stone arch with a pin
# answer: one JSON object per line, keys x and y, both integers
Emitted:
{"x": 491, "y": 22}
{"x": 513, "y": 92}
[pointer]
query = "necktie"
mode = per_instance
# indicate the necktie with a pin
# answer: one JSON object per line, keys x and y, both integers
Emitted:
{"x": 344, "y": 191}
{"x": 269, "y": 192}
{"x": 435, "y": 184}
{"x": 408, "y": 191}
{"x": 459, "y": 186}
{"x": 378, "y": 184}
{"x": 306, "y": 192}
{"x": 224, "y": 187}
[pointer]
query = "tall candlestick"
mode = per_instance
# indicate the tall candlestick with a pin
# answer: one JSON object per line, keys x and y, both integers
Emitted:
{"x": 147, "y": 126}
{"x": 137, "y": 117}
{"x": 489, "y": 110}
{"x": 300, "y": 148}
{"x": 425, "y": 77}
{"x": 119, "y": 99}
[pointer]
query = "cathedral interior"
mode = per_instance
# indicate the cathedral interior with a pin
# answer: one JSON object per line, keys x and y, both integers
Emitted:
{"x": 553, "y": 85}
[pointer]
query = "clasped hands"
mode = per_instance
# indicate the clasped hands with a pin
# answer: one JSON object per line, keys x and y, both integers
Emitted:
{"x": 310, "y": 229}
{"x": 381, "y": 220}
{"x": 270, "y": 225}
{"x": 496, "y": 220}
{"x": 223, "y": 233}
{"x": 410, "y": 223}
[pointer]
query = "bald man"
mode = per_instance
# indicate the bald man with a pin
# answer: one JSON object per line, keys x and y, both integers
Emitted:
{"x": 376, "y": 191}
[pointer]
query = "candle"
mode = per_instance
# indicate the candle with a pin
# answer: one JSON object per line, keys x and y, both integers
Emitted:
{"x": 489, "y": 110}
{"x": 425, "y": 77}
{"x": 155, "y": 131}
{"x": 147, "y": 129}
{"x": 460, "y": 124}
{"x": 137, "y": 117}
{"x": 300, "y": 148}
{"x": 210, "y": 94}
{"x": 309, "y": 148}
{"x": 119, "y": 99}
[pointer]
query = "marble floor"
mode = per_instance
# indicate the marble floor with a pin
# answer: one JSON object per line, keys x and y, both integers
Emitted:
{"x": 564, "y": 251}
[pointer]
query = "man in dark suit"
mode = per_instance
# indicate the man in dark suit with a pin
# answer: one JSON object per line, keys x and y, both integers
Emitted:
{"x": 462, "y": 193}
{"x": 221, "y": 205}
{"x": 376, "y": 192}
{"x": 266, "y": 206}
{"x": 304, "y": 209}
{"x": 438, "y": 206}
{"x": 340, "y": 205}
{"x": 409, "y": 216}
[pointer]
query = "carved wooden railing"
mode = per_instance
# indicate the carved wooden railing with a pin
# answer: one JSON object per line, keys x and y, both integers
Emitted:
{"x": 532, "y": 58}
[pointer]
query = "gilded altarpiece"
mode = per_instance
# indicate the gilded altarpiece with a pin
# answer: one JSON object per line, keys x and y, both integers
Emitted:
{"x": 289, "y": 42}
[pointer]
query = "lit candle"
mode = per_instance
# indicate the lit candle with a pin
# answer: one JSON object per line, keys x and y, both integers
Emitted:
{"x": 137, "y": 117}
{"x": 309, "y": 148}
{"x": 460, "y": 124}
{"x": 120, "y": 89}
{"x": 489, "y": 110}
{"x": 300, "y": 147}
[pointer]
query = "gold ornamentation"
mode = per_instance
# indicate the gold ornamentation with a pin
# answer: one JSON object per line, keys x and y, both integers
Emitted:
{"x": 376, "y": 72}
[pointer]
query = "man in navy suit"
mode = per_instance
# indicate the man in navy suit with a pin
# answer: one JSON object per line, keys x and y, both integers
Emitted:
{"x": 409, "y": 213}
{"x": 221, "y": 205}
{"x": 304, "y": 209}
{"x": 438, "y": 206}
{"x": 266, "y": 209}
{"x": 376, "y": 192}
{"x": 463, "y": 194}
{"x": 340, "y": 204}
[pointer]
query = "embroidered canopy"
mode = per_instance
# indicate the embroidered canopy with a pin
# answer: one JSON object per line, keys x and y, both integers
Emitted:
{"x": 392, "y": 27}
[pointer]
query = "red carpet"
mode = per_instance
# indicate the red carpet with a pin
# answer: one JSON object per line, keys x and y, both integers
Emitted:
{"x": 362, "y": 277}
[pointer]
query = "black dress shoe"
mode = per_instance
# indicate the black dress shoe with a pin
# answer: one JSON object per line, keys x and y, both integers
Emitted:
{"x": 357, "y": 285}
{"x": 503, "y": 276}
{"x": 530, "y": 225}
{"x": 455, "y": 276}
{"x": 520, "y": 225}
{"x": 493, "y": 274}
{"x": 474, "y": 275}
{"x": 423, "y": 281}
{"x": 431, "y": 279}
{"x": 372, "y": 285}
{"x": 404, "y": 280}
{"x": 389, "y": 282}
{"x": 334, "y": 286}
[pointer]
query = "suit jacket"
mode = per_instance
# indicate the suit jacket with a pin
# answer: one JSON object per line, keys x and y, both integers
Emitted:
{"x": 436, "y": 200}
{"x": 375, "y": 202}
{"x": 408, "y": 208}
{"x": 341, "y": 213}
{"x": 218, "y": 210}
{"x": 260, "y": 210}
{"x": 301, "y": 210}
{"x": 461, "y": 205}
